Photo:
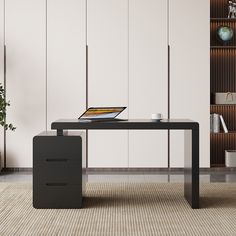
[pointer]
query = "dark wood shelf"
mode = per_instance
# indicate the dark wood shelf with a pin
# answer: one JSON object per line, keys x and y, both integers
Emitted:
{"x": 222, "y": 105}
{"x": 223, "y": 19}
{"x": 223, "y": 133}
{"x": 217, "y": 165}
{"x": 223, "y": 47}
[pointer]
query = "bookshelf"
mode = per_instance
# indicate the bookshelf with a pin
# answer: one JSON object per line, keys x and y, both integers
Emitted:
{"x": 222, "y": 79}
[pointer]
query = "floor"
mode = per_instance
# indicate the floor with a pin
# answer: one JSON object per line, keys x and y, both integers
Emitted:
{"x": 126, "y": 176}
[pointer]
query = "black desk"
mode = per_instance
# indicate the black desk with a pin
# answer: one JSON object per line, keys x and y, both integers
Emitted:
{"x": 191, "y": 144}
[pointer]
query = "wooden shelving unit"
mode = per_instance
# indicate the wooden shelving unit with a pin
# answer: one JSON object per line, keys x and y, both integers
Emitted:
{"x": 223, "y": 79}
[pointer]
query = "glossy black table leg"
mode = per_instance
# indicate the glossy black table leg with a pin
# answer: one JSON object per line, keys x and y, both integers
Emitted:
{"x": 191, "y": 167}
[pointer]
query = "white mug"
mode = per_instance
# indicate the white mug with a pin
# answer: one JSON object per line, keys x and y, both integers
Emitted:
{"x": 156, "y": 116}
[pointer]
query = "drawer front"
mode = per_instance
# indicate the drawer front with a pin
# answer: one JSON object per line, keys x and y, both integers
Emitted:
{"x": 46, "y": 172}
{"x": 57, "y": 196}
{"x": 57, "y": 147}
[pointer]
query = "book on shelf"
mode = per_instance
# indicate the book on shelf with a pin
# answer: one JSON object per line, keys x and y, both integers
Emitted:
{"x": 223, "y": 124}
{"x": 215, "y": 121}
{"x": 211, "y": 123}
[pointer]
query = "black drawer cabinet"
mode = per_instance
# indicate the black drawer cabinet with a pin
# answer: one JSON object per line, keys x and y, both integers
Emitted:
{"x": 58, "y": 170}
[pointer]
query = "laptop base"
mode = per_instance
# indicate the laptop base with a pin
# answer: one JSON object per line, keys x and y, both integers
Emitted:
{"x": 101, "y": 120}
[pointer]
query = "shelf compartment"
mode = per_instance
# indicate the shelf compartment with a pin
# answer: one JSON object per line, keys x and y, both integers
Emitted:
{"x": 228, "y": 113}
{"x": 214, "y": 25}
{"x": 223, "y": 70}
{"x": 219, "y": 8}
{"x": 219, "y": 143}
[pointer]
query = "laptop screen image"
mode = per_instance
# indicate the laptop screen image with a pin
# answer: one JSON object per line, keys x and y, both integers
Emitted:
{"x": 102, "y": 113}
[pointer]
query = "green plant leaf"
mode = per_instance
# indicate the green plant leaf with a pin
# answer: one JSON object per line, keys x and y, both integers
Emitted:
{"x": 3, "y": 106}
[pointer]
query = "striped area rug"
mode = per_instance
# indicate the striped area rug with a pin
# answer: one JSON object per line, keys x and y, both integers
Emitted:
{"x": 122, "y": 209}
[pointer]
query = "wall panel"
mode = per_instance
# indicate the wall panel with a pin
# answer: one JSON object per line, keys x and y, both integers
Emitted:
{"x": 148, "y": 79}
{"x": 26, "y": 82}
{"x": 108, "y": 77}
{"x": 66, "y": 84}
{"x": 190, "y": 73}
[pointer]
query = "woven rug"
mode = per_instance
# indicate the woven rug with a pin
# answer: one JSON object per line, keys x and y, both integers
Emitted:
{"x": 122, "y": 209}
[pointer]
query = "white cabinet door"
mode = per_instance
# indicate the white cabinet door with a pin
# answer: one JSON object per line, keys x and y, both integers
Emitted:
{"x": 148, "y": 81}
{"x": 107, "y": 31}
{"x": 26, "y": 81}
{"x": 190, "y": 76}
{"x": 66, "y": 80}
{"x": 1, "y": 73}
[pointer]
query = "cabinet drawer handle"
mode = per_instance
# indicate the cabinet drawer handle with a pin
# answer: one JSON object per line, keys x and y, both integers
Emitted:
{"x": 56, "y": 184}
{"x": 56, "y": 160}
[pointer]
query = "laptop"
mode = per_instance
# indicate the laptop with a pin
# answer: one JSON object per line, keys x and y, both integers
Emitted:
{"x": 101, "y": 114}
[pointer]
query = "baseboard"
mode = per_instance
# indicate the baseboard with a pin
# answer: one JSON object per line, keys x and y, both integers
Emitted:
{"x": 132, "y": 170}
{"x": 17, "y": 169}
{"x": 156, "y": 170}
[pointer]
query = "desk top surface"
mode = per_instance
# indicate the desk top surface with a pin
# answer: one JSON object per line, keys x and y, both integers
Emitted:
{"x": 126, "y": 124}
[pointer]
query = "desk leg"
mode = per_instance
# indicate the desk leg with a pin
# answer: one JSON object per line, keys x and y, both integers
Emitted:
{"x": 61, "y": 132}
{"x": 191, "y": 167}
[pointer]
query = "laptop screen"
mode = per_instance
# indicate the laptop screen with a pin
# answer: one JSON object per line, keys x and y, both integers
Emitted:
{"x": 102, "y": 112}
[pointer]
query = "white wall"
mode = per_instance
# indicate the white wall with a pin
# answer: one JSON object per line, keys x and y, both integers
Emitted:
{"x": 66, "y": 86}
{"x": 148, "y": 84}
{"x": 190, "y": 74}
{"x": 127, "y": 55}
{"x": 108, "y": 77}
{"x": 26, "y": 82}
